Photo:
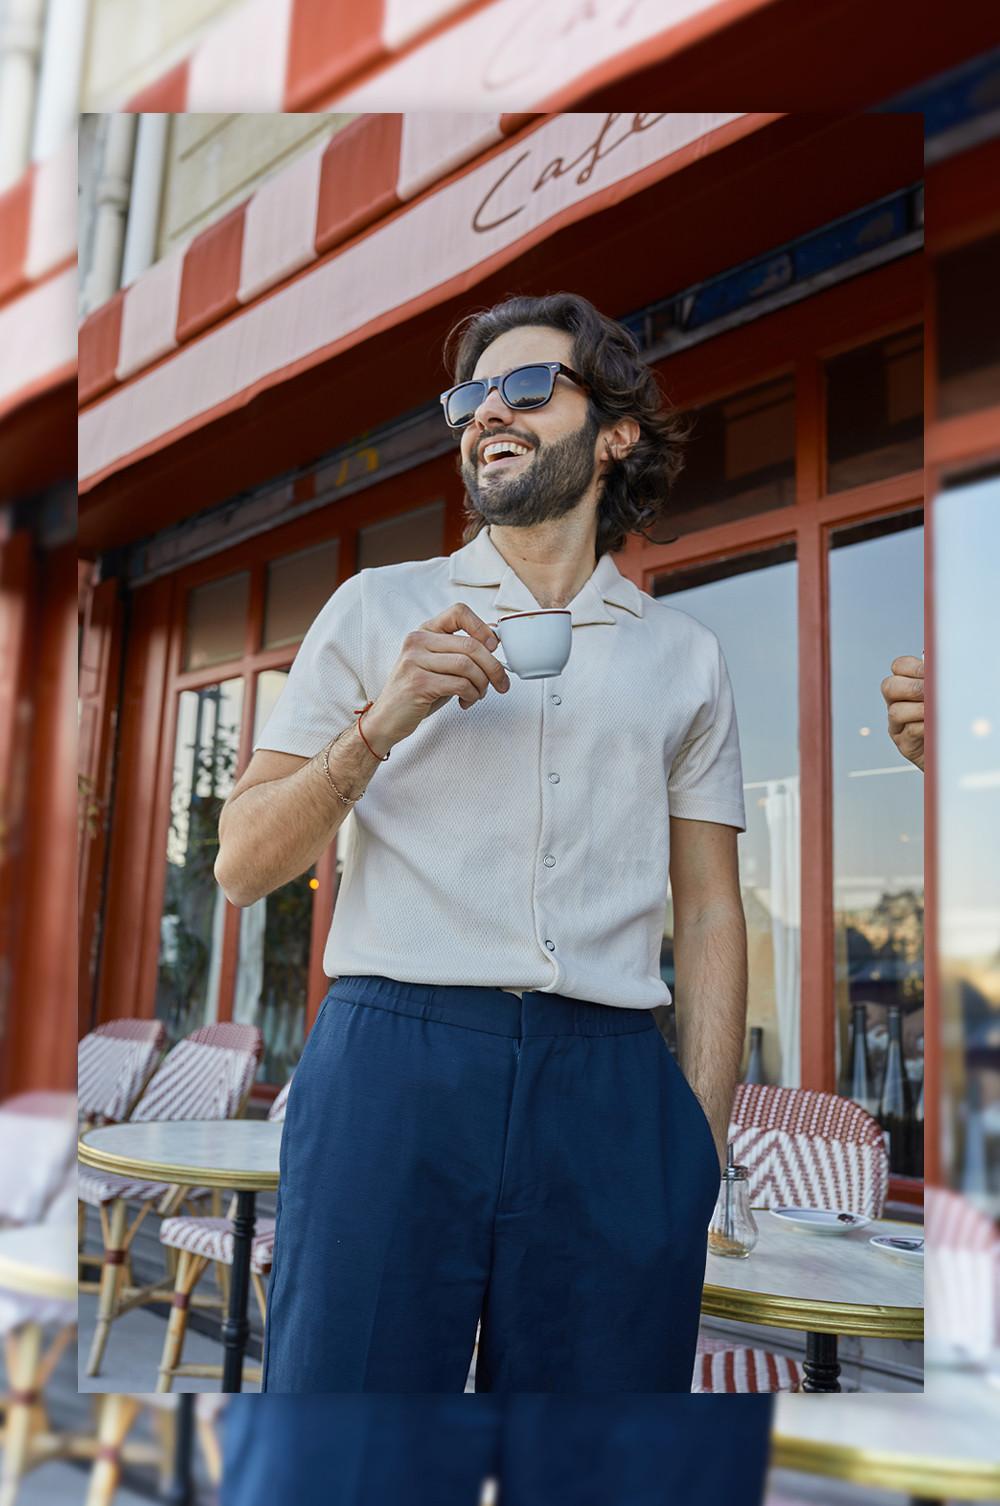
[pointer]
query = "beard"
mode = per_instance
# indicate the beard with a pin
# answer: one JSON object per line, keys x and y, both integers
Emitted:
{"x": 549, "y": 485}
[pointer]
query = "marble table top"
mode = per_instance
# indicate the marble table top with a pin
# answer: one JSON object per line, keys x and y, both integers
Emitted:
{"x": 819, "y": 1282}
{"x": 39, "y": 1260}
{"x": 941, "y": 1443}
{"x": 234, "y": 1153}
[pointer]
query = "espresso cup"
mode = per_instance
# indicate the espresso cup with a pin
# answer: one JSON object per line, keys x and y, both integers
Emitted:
{"x": 536, "y": 644}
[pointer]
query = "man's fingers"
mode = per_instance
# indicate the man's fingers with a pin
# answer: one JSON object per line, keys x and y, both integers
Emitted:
{"x": 897, "y": 687}
{"x": 905, "y": 714}
{"x": 908, "y": 665}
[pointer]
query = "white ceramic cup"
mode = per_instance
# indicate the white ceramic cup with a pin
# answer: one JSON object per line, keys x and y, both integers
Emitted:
{"x": 536, "y": 645}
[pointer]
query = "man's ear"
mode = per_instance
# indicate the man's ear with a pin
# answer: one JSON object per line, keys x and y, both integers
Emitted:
{"x": 620, "y": 438}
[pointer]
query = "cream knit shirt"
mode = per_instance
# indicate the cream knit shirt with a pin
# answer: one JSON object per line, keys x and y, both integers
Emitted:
{"x": 523, "y": 843}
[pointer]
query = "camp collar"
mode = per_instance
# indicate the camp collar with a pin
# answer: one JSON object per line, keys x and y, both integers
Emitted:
{"x": 480, "y": 563}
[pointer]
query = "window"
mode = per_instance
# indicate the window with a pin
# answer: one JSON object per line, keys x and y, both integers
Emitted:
{"x": 968, "y": 334}
{"x": 206, "y": 750}
{"x": 738, "y": 461}
{"x": 750, "y": 605}
{"x": 876, "y": 615}
{"x": 298, "y": 586}
{"x": 216, "y": 621}
{"x": 875, "y": 411}
{"x": 967, "y": 627}
{"x": 411, "y": 536}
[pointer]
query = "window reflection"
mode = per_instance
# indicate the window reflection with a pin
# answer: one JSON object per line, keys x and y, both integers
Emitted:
{"x": 191, "y": 924}
{"x": 272, "y": 979}
{"x": 876, "y": 615}
{"x": 750, "y": 605}
{"x": 966, "y": 549}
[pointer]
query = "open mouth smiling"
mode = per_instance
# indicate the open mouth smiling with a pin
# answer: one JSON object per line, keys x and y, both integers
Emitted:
{"x": 502, "y": 451}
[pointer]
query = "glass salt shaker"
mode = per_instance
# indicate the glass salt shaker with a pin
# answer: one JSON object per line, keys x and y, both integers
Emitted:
{"x": 733, "y": 1230}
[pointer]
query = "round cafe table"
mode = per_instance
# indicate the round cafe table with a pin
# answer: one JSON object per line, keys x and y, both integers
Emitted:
{"x": 39, "y": 1261}
{"x": 937, "y": 1446}
{"x": 237, "y": 1154}
{"x": 824, "y": 1284}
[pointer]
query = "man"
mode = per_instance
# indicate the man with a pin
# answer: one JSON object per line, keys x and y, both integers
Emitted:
{"x": 512, "y": 1451}
{"x": 486, "y": 1123}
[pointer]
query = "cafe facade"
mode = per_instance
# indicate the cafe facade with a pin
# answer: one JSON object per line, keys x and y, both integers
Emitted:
{"x": 259, "y": 421}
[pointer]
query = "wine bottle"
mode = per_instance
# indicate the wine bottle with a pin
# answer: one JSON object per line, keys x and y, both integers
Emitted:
{"x": 918, "y": 1132}
{"x": 895, "y": 1108}
{"x": 755, "y": 1061}
{"x": 858, "y": 1083}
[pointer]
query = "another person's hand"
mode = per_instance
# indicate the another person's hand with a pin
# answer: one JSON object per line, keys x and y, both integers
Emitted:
{"x": 903, "y": 693}
{"x": 436, "y": 662}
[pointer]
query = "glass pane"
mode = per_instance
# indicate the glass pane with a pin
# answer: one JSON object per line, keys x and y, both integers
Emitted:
{"x": 968, "y": 332}
{"x": 876, "y": 615}
{"x": 739, "y": 460}
{"x": 763, "y": 669}
{"x": 875, "y": 411}
{"x": 215, "y": 629}
{"x": 966, "y": 549}
{"x": 272, "y": 978}
{"x": 298, "y": 585}
{"x": 413, "y": 536}
{"x": 205, "y": 756}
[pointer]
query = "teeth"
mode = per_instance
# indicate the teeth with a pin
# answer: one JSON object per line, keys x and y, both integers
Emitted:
{"x": 504, "y": 447}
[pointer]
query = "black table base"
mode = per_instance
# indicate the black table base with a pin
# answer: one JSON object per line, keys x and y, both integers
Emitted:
{"x": 236, "y": 1328}
{"x": 822, "y": 1368}
{"x": 180, "y": 1487}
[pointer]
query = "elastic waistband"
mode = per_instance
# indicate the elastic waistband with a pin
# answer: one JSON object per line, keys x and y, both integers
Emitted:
{"x": 490, "y": 1009}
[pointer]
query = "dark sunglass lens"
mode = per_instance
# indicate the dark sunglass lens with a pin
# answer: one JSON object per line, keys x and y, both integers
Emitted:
{"x": 528, "y": 387}
{"x": 463, "y": 402}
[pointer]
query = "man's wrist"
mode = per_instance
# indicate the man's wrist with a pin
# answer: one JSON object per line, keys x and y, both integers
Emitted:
{"x": 376, "y": 734}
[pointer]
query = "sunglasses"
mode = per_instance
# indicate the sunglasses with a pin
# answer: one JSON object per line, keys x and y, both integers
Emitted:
{"x": 524, "y": 387}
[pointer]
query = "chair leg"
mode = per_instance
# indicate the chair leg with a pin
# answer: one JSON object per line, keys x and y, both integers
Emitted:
{"x": 112, "y": 1272}
{"x": 24, "y": 1355}
{"x": 189, "y": 1270}
{"x": 211, "y": 1449}
{"x": 116, "y": 1418}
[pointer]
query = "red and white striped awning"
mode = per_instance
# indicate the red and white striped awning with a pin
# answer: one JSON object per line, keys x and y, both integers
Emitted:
{"x": 38, "y": 280}
{"x": 511, "y": 55}
{"x": 374, "y": 228}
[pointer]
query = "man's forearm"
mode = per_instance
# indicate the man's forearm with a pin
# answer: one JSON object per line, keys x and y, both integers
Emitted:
{"x": 710, "y": 957}
{"x": 272, "y": 832}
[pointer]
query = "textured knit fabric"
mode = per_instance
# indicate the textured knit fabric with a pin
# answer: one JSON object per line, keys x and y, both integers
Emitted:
{"x": 451, "y": 1153}
{"x": 539, "y": 1451}
{"x": 525, "y": 841}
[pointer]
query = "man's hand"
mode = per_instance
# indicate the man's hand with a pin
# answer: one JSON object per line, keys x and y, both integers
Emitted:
{"x": 903, "y": 693}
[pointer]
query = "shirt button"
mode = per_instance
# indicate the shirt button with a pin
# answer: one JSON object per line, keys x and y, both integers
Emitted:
{"x": 551, "y": 945}
{"x": 549, "y": 860}
{"x": 553, "y": 779}
{"x": 557, "y": 700}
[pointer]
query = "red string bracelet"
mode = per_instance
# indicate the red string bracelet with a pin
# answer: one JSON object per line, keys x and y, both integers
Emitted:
{"x": 359, "y": 715}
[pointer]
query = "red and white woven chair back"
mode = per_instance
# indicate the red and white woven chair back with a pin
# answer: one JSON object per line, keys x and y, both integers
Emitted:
{"x": 961, "y": 1276}
{"x": 113, "y": 1063}
{"x": 208, "y": 1075}
{"x": 277, "y": 1110}
{"x": 809, "y": 1149}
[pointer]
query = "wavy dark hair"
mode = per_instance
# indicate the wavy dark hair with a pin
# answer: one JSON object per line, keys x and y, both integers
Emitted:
{"x": 636, "y": 488}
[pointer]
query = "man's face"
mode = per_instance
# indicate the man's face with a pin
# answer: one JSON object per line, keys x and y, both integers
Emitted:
{"x": 562, "y": 439}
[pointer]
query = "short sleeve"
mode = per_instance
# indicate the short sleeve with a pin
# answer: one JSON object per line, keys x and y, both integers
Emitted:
{"x": 325, "y": 685}
{"x": 705, "y": 782}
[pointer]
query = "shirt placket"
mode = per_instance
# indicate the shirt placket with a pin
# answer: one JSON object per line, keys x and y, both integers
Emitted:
{"x": 552, "y": 800}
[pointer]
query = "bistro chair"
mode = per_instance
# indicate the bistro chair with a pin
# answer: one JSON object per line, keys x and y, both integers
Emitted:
{"x": 114, "y": 1064}
{"x": 208, "y": 1075}
{"x": 37, "y": 1153}
{"x": 202, "y": 1241}
{"x": 36, "y": 1332}
{"x": 961, "y": 1278}
{"x": 805, "y": 1148}
{"x": 117, "y": 1415}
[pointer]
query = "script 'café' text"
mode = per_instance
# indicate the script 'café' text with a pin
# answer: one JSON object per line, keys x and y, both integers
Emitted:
{"x": 512, "y": 190}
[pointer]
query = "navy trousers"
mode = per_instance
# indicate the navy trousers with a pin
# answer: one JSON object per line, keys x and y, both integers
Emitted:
{"x": 542, "y": 1450}
{"x": 451, "y": 1154}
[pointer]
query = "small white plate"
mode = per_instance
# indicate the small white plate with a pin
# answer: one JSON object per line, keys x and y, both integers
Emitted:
{"x": 908, "y": 1247}
{"x": 822, "y": 1220}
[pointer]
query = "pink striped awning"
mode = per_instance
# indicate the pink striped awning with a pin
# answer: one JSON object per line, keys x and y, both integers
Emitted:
{"x": 514, "y": 55}
{"x": 395, "y": 214}
{"x": 38, "y": 280}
